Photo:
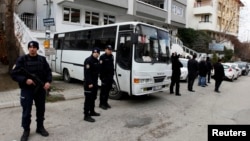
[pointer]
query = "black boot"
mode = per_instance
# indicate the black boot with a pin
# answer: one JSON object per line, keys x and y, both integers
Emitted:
{"x": 89, "y": 119}
{"x": 42, "y": 131}
{"x": 94, "y": 114}
{"x": 108, "y": 106}
{"x": 103, "y": 107}
{"x": 25, "y": 135}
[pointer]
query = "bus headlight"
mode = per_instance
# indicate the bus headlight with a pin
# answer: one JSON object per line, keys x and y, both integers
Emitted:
{"x": 142, "y": 80}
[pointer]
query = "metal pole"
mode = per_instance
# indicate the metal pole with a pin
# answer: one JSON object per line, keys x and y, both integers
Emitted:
{"x": 47, "y": 30}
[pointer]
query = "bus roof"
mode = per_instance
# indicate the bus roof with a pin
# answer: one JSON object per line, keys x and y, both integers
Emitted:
{"x": 109, "y": 25}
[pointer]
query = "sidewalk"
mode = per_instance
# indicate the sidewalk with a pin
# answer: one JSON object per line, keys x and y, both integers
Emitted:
{"x": 11, "y": 98}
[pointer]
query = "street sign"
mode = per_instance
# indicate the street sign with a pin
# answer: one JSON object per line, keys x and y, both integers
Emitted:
{"x": 49, "y": 22}
{"x": 50, "y": 51}
{"x": 216, "y": 46}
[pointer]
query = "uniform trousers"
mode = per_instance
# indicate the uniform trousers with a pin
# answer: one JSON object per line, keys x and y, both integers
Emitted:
{"x": 90, "y": 97}
{"x": 105, "y": 89}
{"x": 27, "y": 97}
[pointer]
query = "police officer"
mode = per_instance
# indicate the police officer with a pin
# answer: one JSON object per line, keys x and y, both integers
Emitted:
{"x": 106, "y": 76}
{"x": 37, "y": 66}
{"x": 91, "y": 72}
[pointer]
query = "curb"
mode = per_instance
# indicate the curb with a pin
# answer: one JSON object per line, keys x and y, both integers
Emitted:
{"x": 12, "y": 104}
{"x": 9, "y": 104}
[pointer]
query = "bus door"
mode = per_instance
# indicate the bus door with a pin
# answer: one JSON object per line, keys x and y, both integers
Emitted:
{"x": 58, "y": 56}
{"x": 124, "y": 62}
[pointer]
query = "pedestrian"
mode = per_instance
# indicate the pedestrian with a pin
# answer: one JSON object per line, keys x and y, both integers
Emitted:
{"x": 33, "y": 74}
{"x": 209, "y": 69}
{"x": 106, "y": 75}
{"x": 192, "y": 72}
{"x": 91, "y": 72}
{"x": 176, "y": 72}
{"x": 202, "y": 72}
{"x": 219, "y": 75}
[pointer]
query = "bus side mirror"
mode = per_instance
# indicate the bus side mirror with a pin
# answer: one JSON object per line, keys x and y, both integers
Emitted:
{"x": 134, "y": 38}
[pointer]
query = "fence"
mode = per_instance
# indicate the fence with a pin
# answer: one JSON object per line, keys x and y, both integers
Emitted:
{"x": 35, "y": 23}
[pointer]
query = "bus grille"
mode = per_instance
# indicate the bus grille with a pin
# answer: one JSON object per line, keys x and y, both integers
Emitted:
{"x": 159, "y": 79}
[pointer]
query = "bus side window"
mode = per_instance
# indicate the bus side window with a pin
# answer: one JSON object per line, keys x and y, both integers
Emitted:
{"x": 58, "y": 44}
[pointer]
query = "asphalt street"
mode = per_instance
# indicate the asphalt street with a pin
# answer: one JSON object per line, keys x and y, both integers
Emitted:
{"x": 157, "y": 117}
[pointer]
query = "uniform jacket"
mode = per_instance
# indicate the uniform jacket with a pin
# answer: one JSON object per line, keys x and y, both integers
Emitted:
{"x": 91, "y": 71}
{"x": 36, "y": 65}
{"x": 106, "y": 66}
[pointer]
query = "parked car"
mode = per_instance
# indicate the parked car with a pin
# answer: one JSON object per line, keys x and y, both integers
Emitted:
{"x": 244, "y": 67}
{"x": 230, "y": 73}
{"x": 184, "y": 70}
{"x": 237, "y": 68}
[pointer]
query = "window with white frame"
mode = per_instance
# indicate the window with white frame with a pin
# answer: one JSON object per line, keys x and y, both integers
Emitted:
{"x": 177, "y": 10}
{"x": 205, "y": 18}
{"x": 71, "y": 15}
{"x": 108, "y": 19}
{"x": 92, "y": 18}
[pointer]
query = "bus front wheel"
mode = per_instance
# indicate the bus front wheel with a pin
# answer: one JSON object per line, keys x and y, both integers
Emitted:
{"x": 66, "y": 76}
{"x": 114, "y": 92}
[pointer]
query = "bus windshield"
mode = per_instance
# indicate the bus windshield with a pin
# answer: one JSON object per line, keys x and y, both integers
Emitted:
{"x": 153, "y": 45}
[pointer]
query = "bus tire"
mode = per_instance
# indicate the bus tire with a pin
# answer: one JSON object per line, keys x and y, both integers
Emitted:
{"x": 115, "y": 93}
{"x": 66, "y": 76}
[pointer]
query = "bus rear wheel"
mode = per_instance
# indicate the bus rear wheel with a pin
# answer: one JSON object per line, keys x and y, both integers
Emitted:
{"x": 66, "y": 76}
{"x": 114, "y": 92}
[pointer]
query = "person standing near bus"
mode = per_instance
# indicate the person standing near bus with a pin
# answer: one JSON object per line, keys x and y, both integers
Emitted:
{"x": 106, "y": 76}
{"x": 176, "y": 73}
{"x": 192, "y": 72}
{"x": 32, "y": 88}
{"x": 91, "y": 72}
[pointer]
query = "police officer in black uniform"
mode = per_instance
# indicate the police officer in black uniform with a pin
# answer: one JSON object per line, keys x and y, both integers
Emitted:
{"x": 106, "y": 76}
{"x": 36, "y": 65}
{"x": 91, "y": 72}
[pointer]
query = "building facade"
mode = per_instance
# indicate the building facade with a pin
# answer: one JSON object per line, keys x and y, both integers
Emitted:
{"x": 219, "y": 18}
{"x": 75, "y": 14}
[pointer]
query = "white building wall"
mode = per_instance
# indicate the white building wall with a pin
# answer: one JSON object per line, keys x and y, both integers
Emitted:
{"x": 193, "y": 21}
{"x": 27, "y": 6}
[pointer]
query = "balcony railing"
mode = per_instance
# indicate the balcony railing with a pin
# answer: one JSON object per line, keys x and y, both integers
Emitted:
{"x": 203, "y": 3}
{"x": 35, "y": 23}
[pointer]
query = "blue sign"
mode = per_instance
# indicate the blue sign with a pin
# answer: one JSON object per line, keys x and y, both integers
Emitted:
{"x": 216, "y": 46}
{"x": 49, "y": 22}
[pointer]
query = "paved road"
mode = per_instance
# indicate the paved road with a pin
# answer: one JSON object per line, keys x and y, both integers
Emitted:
{"x": 158, "y": 117}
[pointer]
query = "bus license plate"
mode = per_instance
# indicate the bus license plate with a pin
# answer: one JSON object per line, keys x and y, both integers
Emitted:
{"x": 157, "y": 88}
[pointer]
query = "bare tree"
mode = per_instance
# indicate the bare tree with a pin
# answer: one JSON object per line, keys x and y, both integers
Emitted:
{"x": 12, "y": 44}
{"x": 228, "y": 19}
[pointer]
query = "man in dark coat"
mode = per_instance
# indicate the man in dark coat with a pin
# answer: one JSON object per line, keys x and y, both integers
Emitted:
{"x": 219, "y": 75}
{"x": 176, "y": 72}
{"x": 192, "y": 72}
{"x": 202, "y": 72}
